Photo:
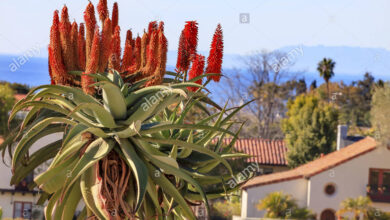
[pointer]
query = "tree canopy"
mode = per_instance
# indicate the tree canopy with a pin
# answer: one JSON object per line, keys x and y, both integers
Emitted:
{"x": 310, "y": 129}
{"x": 6, "y": 102}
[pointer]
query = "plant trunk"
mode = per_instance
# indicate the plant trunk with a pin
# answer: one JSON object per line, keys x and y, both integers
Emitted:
{"x": 115, "y": 176}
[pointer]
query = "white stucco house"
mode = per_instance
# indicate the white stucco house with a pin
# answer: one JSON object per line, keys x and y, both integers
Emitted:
{"x": 18, "y": 201}
{"x": 360, "y": 169}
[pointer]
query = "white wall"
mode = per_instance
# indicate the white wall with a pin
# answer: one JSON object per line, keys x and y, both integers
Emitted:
{"x": 7, "y": 199}
{"x": 5, "y": 170}
{"x": 7, "y": 202}
{"x": 251, "y": 196}
{"x": 350, "y": 179}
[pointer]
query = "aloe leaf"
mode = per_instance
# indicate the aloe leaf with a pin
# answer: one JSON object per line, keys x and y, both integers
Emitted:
{"x": 171, "y": 190}
{"x": 36, "y": 159}
{"x": 138, "y": 167}
{"x": 53, "y": 179}
{"x": 95, "y": 151}
{"x": 158, "y": 128}
{"x": 90, "y": 189}
{"x": 30, "y": 138}
{"x": 191, "y": 146}
{"x": 113, "y": 100}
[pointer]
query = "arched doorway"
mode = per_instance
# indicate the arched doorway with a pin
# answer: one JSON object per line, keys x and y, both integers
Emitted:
{"x": 328, "y": 214}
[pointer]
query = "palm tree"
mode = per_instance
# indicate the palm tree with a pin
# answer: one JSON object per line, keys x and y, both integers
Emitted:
{"x": 280, "y": 205}
{"x": 357, "y": 206}
{"x": 325, "y": 68}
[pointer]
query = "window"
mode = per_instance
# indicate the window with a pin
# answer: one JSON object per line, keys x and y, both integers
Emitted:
{"x": 22, "y": 210}
{"x": 23, "y": 185}
{"x": 328, "y": 214}
{"x": 330, "y": 189}
{"x": 378, "y": 187}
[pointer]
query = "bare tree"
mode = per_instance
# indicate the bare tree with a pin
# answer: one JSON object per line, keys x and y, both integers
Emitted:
{"x": 266, "y": 80}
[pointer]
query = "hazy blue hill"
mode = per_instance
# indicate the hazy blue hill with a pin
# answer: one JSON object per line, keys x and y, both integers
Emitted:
{"x": 351, "y": 64}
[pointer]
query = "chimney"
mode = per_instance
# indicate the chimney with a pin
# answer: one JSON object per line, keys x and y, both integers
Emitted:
{"x": 342, "y": 131}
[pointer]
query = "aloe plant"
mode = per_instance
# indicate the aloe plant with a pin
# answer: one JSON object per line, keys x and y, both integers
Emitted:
{"x": 126, "y": 150}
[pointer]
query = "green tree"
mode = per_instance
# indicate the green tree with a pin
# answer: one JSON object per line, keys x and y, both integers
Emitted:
{"x": 380, "y": 113}
{"x": 7, "y": 100}
{"x": 325, "y": 68}
{"x": 357, "y": 206}
{"x": 282, "y": 206}
{"x": 310, "y": 129}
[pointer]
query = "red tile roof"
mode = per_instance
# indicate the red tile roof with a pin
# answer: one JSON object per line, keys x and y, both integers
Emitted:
{"x": 18, "y": 97}
{"x": 317, "y": 166}
{"x": 265, "y": 152}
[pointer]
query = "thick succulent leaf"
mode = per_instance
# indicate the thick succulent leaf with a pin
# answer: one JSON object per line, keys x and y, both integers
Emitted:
{"x": 171, "y": 190}
{"x": 137, "y": 166}
{"x": 169, "y": 169}
{"x": 36, "y": 159}
{"x": 50, "y": 207}
{"x": 90, "y": 189}
{"x": 95, "y": 151}
{"x": 31, "y": 138}
{"x": 74, "y": 131}
{"x": 113, "y": 100}
{"x": 102, "y": 115}
{"x": 53, "y": 179}
{"x": 66, "y": 208}
{"x": 191, "y": 146}
{"x": 159, "y": 128}
{"x": 135, "y": 96}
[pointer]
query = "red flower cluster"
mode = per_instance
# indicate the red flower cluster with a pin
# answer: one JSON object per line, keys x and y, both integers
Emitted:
{"x": 91, "y": 51}
{"x": 214, "y": 61}
{"x": 187, "y": 46}
{"x": 84, "y": 48}
{"x": 196, "y": 70}
{"x": 187, "y": 50}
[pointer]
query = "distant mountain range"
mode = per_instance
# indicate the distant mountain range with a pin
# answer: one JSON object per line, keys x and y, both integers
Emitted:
{"x": 351, "y": 64}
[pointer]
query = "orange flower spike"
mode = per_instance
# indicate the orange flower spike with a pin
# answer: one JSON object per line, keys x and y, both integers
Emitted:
{"x": 58, "y": 70}
{"x": 129, "y": 36}
{"x": 214, "y": 61}
{"x": 152, "y": 27}
{"x": 65, "y": 36}
{"x": 90, "y": 24}
{"x": 92, "y": 65}
{"x": 81, "y": 47}
{"x": 115, "y": 17}
{"x": 151, "y": 54}
{"x": 144, "y": 43}
{"x": 128, "y": 53}
{"x": 137, "y": 55}
{"x": 74, "y": 42}
{"x": 159, "y": 73}
{"x": 191, "y": 36}
{"x": 52, "y": 82}
{"x": 196, "y": 70}
{"x": 180, "y": 53}
{"x": 106, "y": 45}
{"x": 115, "y": 57}
{"x": 102, "y": 10}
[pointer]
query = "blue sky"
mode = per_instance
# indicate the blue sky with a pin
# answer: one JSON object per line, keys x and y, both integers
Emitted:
{"x": 273, "y": 23}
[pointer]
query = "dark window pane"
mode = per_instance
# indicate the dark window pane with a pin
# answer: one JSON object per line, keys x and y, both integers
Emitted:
{"x": 374, "y": 178}
{"x": 386, "y": 181}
